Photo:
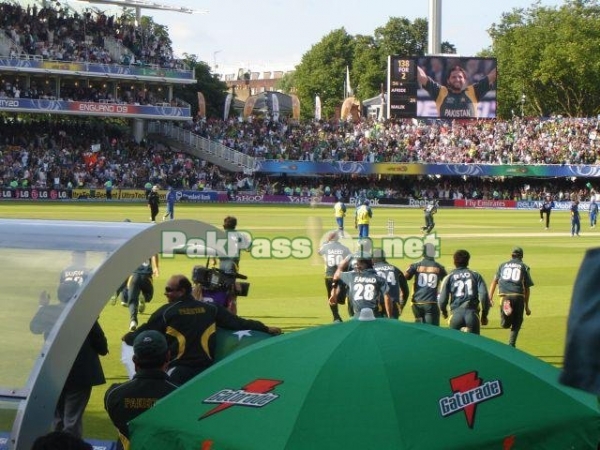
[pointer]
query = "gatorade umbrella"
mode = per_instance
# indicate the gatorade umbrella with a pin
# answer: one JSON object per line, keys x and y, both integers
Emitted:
{"x": 378, "y": 384}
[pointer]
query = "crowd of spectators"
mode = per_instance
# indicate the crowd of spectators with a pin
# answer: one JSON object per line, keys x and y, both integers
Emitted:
{"x": 59, "y": 154}
{"x": 85, "y": 153}
{"x": 556, "y": 140}
{"x": 100, "y": 93}
{"x": 58, "y": 33}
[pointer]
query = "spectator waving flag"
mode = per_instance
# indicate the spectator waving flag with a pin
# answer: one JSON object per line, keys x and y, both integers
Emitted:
{"x": 317, "y": 108}
{"x": 228, "y": 101}
{"x": 349, "y": 91}
{"x": 275, "y": 103}
{"x": 201, "y": 105}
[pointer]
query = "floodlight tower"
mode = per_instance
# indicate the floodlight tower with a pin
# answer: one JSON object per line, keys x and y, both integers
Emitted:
{"x": 435, "y": 27}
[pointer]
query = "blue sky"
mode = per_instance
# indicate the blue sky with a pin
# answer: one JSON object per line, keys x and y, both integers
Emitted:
{"x": 265, "y": 34}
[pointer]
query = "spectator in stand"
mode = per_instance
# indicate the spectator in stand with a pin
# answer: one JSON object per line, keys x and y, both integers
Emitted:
{"x": 62, "y": 155}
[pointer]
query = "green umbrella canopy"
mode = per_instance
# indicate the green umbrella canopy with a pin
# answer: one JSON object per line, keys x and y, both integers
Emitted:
{"x": 230, "y": 341}
{"x": 379, "y": 384}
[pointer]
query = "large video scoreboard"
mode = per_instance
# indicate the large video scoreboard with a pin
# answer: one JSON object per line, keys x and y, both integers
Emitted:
{"x": 446, "y": 87}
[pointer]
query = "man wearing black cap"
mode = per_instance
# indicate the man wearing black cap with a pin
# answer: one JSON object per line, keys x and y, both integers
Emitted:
{"x": 124, "y": 402}
{"x": 513, "y": 281}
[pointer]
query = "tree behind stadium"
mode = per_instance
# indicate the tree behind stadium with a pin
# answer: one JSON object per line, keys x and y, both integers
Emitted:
{"x": 549, "y": 60}
{"x": 322, "y": 70}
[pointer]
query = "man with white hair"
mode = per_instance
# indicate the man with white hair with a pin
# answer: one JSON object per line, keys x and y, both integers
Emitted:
{"x": 153, "y": 202}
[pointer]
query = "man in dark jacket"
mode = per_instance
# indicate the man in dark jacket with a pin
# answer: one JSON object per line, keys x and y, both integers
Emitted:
{"x": 86, "y": 371}
{"x": 125, "y": 401}
{"x": 189, "y": 326}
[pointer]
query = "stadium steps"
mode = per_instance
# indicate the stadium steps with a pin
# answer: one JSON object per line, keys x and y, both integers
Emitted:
{"x": 185, "y": 141}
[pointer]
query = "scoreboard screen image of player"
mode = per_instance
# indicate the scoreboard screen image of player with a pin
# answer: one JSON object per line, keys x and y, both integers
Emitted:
{"x": 441, "y": 86}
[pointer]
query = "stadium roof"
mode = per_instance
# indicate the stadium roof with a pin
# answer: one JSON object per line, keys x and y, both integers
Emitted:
{"x": 139, "y": 4}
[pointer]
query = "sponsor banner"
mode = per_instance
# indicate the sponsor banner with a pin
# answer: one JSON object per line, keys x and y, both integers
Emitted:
{"x": 372, "y": 201}
{"x": 475, "y": 203}
{"x": 85, "y": 194}
{"x": 262, "y": 198}
{"x": 100, "y": 194}
{"x": 558, "y": 206}
{"x": 404, "y": 202}
{"x": 460, "y": 170}
{"x": 34, "y": 194}
{"x": 199, "y": 196}
{"x": 249, "y": 198}
{"x": 7, "y": 193}
{"x": 129, "y": 194}
{"x": 401, "y": 169}
{"x": 328, "y": 199}
{"x": 116, "y": 70}
{"x": 117, "y": 194}
{"x": 94, "y": 109}
{"x": 420, "y": 203}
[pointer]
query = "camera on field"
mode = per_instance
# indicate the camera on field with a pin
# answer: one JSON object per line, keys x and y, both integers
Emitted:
{"x": 214, "y": 279}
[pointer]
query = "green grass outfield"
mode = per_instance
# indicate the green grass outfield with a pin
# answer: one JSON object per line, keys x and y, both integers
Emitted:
{"x": 290, "y": 293}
